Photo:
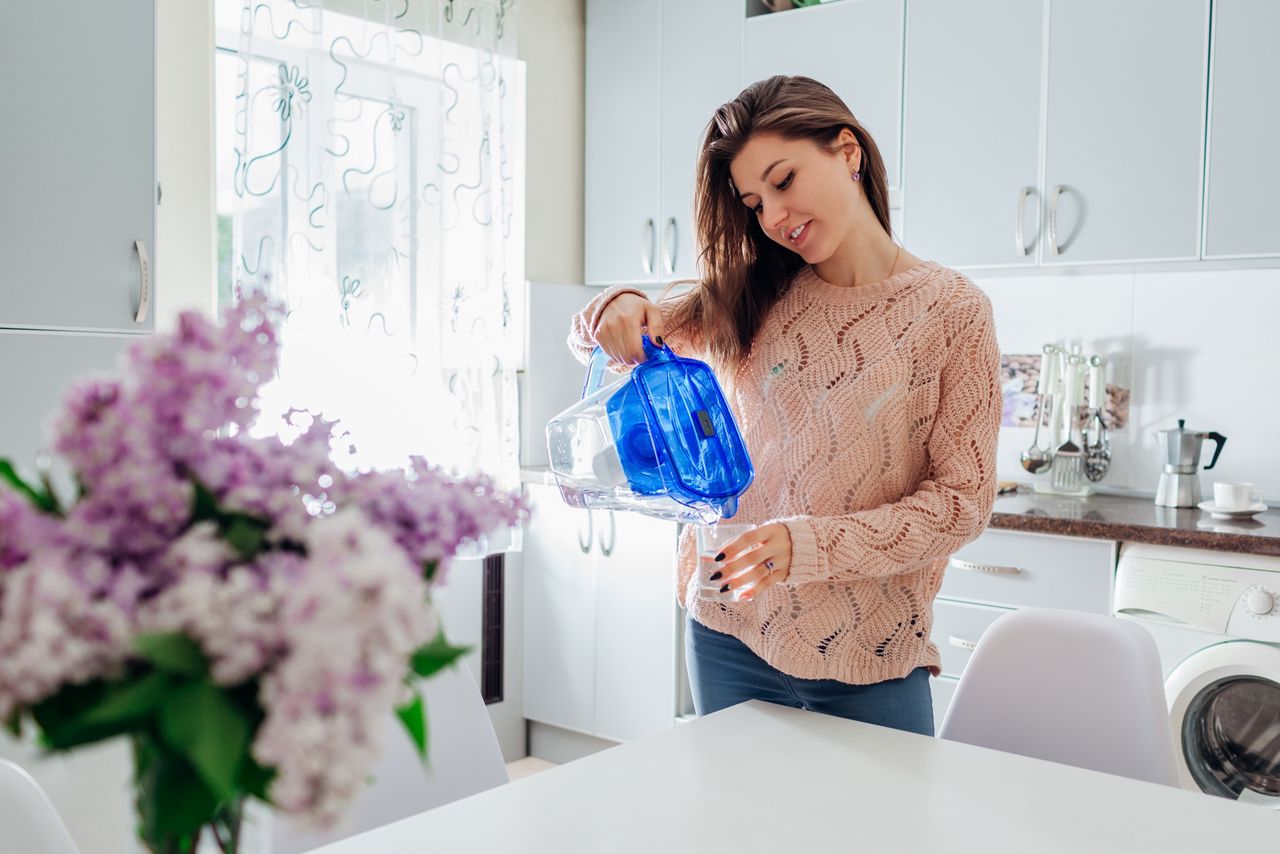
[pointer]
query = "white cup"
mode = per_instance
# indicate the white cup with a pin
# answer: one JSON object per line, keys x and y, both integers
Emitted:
{"x": 1234, "y": 495}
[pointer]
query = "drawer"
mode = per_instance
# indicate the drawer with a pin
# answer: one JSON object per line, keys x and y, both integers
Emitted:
{"x": 957, "y": 626}
{"x": 943, "y": 689}
{"x": 1033, "y": 570}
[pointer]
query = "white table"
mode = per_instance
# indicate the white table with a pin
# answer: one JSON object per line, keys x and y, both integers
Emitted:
{"x": 764, "y": 778}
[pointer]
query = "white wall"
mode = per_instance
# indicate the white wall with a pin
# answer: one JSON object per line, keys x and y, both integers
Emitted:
{"x": 551, "y": 39}
{"x": 1194, "y": 345}
{"x": 186, "y": 267}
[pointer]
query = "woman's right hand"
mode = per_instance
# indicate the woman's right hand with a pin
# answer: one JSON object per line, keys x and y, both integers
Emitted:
{"x": 624, "y": 320}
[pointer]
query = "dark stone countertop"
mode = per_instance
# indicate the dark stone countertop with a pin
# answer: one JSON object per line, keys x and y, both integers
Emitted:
{"x": 1136, "y": 520}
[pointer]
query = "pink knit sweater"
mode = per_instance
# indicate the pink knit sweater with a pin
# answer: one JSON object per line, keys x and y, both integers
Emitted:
{"x": 870, "y": 414}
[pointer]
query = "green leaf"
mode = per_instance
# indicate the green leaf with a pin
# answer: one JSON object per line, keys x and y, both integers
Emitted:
{"x": 173, "y": 801}
{"x": 173, "y": 652}
{"x": 199, "y": 721}
{"x": 245, "y": 534}
{"x": 13, "y": 726}
{"x": 433, "y": 657}
{"x": 429, "y": 568}
{"x": 80, "y": 715}
{"x": 204, "y": 505}
{"x": 58, "y": 715}
{"x": 42, "y": 499}
{"x": 126, "y": 704}
{"x": 413, "y": 716}
{"x": 255, "y": 779}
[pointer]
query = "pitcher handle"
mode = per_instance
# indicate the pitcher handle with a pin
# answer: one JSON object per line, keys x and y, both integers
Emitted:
{"x": 1220, "y": 440}
{"x": 600, "y": 360}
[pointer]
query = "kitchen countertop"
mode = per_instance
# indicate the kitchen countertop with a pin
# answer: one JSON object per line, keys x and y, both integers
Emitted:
{"x": 1124, "y": 518}
{"x": 1136, "y": 520}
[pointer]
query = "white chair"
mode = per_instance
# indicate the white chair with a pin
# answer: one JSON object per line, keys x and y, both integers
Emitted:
{"x": 1080, "y": 689}
{"x": 463, "y": 759}
{"x": 28, "y": 821}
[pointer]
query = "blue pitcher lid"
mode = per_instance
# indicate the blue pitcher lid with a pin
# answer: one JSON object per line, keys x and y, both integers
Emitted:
{"x": 691, "y": 419}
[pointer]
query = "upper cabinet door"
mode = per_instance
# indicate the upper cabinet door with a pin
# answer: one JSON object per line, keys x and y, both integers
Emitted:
{"x": 79, "y": 190}
{"x": 624, "y": 47}
{"x": 701, "y": 69}
{"x": 972, "y": 131}
{"x": 1125, "y": 132}
{"x": 1242, "y": 203}
{"x": 854, "y": 47}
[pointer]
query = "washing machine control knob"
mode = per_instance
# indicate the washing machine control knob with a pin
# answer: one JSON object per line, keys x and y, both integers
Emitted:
{"x": 1260, "y": 602}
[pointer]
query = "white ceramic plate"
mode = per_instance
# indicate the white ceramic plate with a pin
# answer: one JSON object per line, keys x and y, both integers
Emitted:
{"x": 1222, "y": 513}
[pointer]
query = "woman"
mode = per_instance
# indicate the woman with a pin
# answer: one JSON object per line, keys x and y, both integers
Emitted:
{"x": 866, "y": 385}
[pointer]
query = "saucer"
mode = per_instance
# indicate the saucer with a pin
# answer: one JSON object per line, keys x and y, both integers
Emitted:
{"x": 1222, "y": 513}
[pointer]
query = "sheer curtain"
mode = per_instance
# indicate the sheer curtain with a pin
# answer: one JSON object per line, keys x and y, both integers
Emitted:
{"x": 373, "y": 181}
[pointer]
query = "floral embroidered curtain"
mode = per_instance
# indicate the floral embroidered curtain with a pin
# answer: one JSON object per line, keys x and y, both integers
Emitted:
{"x": 373, "y": 173}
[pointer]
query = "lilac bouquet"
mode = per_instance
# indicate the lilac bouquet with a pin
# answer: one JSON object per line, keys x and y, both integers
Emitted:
{"x": 242, "y": 609}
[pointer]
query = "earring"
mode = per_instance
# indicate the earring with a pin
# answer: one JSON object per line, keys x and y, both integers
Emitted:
{"x": 855, "y": 175}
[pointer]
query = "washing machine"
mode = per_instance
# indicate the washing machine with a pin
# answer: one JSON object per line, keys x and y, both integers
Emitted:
{"x": 1215, "y": 617}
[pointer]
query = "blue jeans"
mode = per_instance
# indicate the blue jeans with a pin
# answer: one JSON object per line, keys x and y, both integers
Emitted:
{"x": 723, "y": 672}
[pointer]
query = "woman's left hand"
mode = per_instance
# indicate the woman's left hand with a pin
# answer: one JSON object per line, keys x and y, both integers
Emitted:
{"x": 757, "y": 560}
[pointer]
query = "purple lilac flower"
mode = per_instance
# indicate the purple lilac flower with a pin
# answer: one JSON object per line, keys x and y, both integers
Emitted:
{"x": 326, "y": 616}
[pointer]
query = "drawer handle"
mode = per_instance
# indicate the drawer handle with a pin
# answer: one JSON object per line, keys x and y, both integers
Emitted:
{"x": 144, "y": 282}
{"x": 961, "y": 643}
{"x": 986, "y": 568}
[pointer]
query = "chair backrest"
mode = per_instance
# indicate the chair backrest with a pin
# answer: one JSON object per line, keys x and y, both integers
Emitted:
{"x": 463, "y": 758}
{"x": 28, "y": 821}
{"x": 1080, "y": 689}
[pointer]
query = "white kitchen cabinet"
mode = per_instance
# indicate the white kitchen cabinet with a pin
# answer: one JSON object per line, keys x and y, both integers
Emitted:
{"x": 1124, "y": 138}
{"x": 79, "y": 155}
{"x": 1116, "y": 92}
{"x": 1242, "y": 217}
{"x": 1001, "y": 571}
{"x": 971, "y": 131}
{"x": 854, "y": 47}
{"x": 38, "y": 369}
{"x": 655, "y": 73}
{"x": 600, "y": 619}
{"x": 635, "y": 669}
{"x": 559, "y": 613}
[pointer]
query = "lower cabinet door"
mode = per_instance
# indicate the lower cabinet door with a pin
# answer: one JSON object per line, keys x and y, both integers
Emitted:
{"x": 957, "y": 628}
{"x": 559, "y": 613}
{"x": 635, "y": 673}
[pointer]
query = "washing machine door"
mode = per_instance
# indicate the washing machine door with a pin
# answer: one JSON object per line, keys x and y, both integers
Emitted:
{"x": 1224, "y": 702}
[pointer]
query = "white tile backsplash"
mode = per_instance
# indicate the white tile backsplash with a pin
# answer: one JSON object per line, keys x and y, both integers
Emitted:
{"x": 1189, "y": 345}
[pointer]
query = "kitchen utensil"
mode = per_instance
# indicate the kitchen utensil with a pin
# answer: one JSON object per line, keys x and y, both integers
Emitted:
{"x": 1179, "y": 481}
{"x": 660, "y": 440}
{"x": 1097, "y": 445}
{"x": 1097, "y": 449}
{"x": 1068, "y": 460}
{"x": 1036, "y": 459}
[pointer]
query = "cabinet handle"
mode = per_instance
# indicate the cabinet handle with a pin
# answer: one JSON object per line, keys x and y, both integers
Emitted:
{"x": 985, "y": 568}
{"x": 144, "y": 282}
{"x": 613, "y": 537}
{"x": 961, "y": 643}
{"x": 586, "y": 545}
{"x": 647, "y": 235}
{"x": 1054, "y": 249}
{"x": 671, "y": 249}
{"x": 1018, "y": 237}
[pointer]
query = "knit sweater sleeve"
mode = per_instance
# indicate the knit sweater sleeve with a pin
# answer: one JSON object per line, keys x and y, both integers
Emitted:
{"x": 582, "y": 329}
{"x": 947, "y": 509}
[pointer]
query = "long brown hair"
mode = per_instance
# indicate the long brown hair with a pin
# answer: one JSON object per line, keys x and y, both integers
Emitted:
{"x": 742, "y": 272}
